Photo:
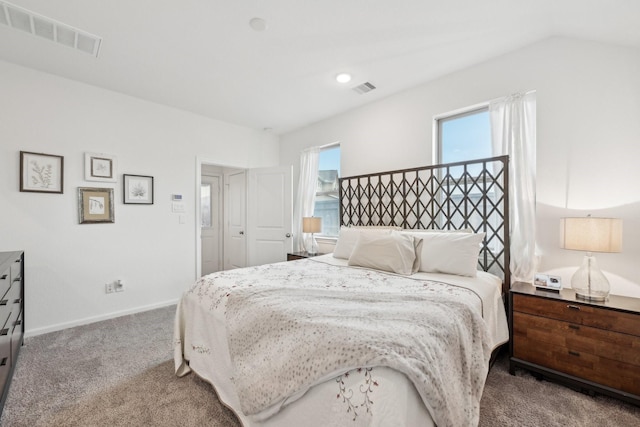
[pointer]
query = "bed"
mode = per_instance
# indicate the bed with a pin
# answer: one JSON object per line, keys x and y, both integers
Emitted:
{"x": 353, "y": 339}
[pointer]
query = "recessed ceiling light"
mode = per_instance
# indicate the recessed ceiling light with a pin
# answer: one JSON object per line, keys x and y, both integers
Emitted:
{"x": 258, "y": 24}
{"x": 343, "y": 78}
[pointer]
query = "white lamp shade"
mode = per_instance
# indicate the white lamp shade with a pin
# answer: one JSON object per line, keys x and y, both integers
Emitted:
{"x": 311, "y": 224}
{"x": 591, "y": 234}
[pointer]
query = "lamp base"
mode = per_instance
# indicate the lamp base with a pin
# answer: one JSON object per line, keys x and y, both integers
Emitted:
{"x": 588, "y": 282}
{"x": 591, "y": 297}
{"x": 311, "y": 245}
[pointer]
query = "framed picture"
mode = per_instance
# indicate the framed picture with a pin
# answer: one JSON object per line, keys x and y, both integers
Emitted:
{"x": 99, "y": 167}
{"x": 95, "y": 205}
{"x": 138, "y": 190}
{"x": 41, "y": 173}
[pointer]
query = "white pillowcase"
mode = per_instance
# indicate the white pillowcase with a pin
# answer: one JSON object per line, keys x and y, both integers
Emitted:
{"x": 348, "y": 237}
{"x": 450, "y": 253}
{"x": 393, "y": 252}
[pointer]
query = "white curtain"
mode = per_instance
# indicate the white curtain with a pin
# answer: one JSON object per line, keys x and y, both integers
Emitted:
{"x": 513, "y": 132}
{"x": 307, "y": 185}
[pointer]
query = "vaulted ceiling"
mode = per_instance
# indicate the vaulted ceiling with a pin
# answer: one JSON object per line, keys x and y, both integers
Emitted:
{"x": 203, "y": 56}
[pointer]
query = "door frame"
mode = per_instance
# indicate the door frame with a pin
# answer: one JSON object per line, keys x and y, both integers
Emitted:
{"x": 200, "y": 160}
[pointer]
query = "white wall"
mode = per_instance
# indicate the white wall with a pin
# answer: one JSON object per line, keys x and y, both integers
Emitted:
{"x": 588, "y": 104}
{"x": 68, "y": 264}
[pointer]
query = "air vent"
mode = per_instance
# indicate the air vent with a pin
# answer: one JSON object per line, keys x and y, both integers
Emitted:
{"x": 364, "y": 88}
{"x": 47, "y": 28}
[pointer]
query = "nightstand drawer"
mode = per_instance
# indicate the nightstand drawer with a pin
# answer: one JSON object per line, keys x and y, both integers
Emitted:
{"x": 578, "y": 313}
{"x": 555, "y": 345}
{"x": 577, "y": 338}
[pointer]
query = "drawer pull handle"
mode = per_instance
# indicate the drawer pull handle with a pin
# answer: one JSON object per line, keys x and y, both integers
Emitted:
{"x": 4, "y": 332}
{"x": 4, "y": 302}
{"x": 18, "y": 323}
{"x": 574, "y": 353}
{"x": 18, "y": 260}
{"x": 16, "y": 301}
{"x": 573, "y": 307}
{"x": 576, "y": 327}
{"x": 4, "y": 276}
{"x": 4, "y": 361}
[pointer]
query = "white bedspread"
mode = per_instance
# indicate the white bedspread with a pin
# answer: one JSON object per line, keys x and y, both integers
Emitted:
{"x": 443, "y": 346}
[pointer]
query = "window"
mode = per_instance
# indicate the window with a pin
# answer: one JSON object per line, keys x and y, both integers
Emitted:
{"x": 205, "y": 205}
{"x": 327, "y": 203}
{"x": 464, "y": 136}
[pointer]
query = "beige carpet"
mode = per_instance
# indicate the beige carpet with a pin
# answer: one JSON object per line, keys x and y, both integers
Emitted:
{"x": 120, "y": 373}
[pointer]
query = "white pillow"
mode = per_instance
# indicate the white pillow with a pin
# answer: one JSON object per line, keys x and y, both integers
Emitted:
{"x": 450, "y": 253}
{"x": 348, "y": 237}
{"x": 376, "y": 227}
{"x": 434, "y": 230}
{"x": 393, "y": 252}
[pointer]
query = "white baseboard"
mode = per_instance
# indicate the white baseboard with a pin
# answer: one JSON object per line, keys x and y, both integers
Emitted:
{"x": 87, "y": 320}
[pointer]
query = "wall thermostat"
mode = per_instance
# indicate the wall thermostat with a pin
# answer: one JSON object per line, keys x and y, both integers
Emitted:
{"x": 176, "y": 197}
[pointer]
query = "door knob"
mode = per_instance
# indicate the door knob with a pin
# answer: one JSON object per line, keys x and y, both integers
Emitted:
{"x": 288, "y": 235}
{"x": 241, "y": 233}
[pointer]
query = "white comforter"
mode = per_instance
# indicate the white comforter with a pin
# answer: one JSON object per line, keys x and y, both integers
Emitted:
{"x": 434, "y": 333}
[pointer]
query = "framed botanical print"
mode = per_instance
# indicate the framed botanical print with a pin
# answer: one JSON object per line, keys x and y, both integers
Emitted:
{"x": 99, "y": 167}
{"x": 138, "y": 189}
{"x": 95, "y": 205}
{"x": 41, "y": 173}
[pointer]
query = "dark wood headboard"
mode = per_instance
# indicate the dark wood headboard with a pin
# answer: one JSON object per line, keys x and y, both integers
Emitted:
{"x": 472, "y": 194}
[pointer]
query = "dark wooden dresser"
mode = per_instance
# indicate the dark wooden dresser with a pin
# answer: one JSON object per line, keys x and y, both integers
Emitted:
{"x": 590, "y": 346}
{"x": 11, "y": 316}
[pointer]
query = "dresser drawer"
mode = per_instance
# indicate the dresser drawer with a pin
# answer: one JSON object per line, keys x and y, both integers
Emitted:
{"x": 16, "y": 338}
{"x": 578, "y": 313}
{"x": 16, "y": 270}
{"x": 10, "y": 308}
{"x": 5, "y": 359}
{"x": 5, "y": 282}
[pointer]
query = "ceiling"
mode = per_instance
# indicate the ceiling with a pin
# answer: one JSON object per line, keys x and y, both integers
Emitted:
{"x": 202, "y": 55}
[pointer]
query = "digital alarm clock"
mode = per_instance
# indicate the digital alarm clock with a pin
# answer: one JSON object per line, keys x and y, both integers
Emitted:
{"x": 548, "y": 282}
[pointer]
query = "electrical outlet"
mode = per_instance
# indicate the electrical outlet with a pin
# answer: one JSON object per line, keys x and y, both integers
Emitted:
{"x": 109, "y": 288}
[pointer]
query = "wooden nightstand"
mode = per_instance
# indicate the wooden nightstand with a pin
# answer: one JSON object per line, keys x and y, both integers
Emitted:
{"x": 589, "y": 346}
{"x": 299, "y": 255}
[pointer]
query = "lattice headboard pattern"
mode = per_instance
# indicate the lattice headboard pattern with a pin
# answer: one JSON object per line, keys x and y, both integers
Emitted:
{"x": 452, "y": 196}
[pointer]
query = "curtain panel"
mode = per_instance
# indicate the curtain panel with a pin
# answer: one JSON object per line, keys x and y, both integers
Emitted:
{"x": 513, "y": 132}
{"x": 306, "y": 198}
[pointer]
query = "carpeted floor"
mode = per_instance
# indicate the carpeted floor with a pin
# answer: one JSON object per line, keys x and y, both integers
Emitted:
{"x": 120, "y": 373}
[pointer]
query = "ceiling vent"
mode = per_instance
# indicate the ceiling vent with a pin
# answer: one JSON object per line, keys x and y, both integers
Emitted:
{"x": 364, "y": 88}
{"x": 41, "y": 26}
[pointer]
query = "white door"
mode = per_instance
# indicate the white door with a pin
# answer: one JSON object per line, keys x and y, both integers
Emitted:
{"x": 235, "y": 200}
{"x": 270, "y": 213}
{"x": 210, "y": 224}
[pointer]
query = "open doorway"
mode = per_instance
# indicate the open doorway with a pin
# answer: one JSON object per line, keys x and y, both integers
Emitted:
{"x": 221, "y": 218}
{"x": 243, "y": 216}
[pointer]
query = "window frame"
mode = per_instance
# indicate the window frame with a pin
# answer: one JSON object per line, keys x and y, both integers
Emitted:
{"x": 322, "y": 235}
{"x": 451, "y": 115}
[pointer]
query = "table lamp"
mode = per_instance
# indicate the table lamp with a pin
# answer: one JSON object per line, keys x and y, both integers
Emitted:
{"x": 591, "y": 235}
{"x": 312, "y": 224}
